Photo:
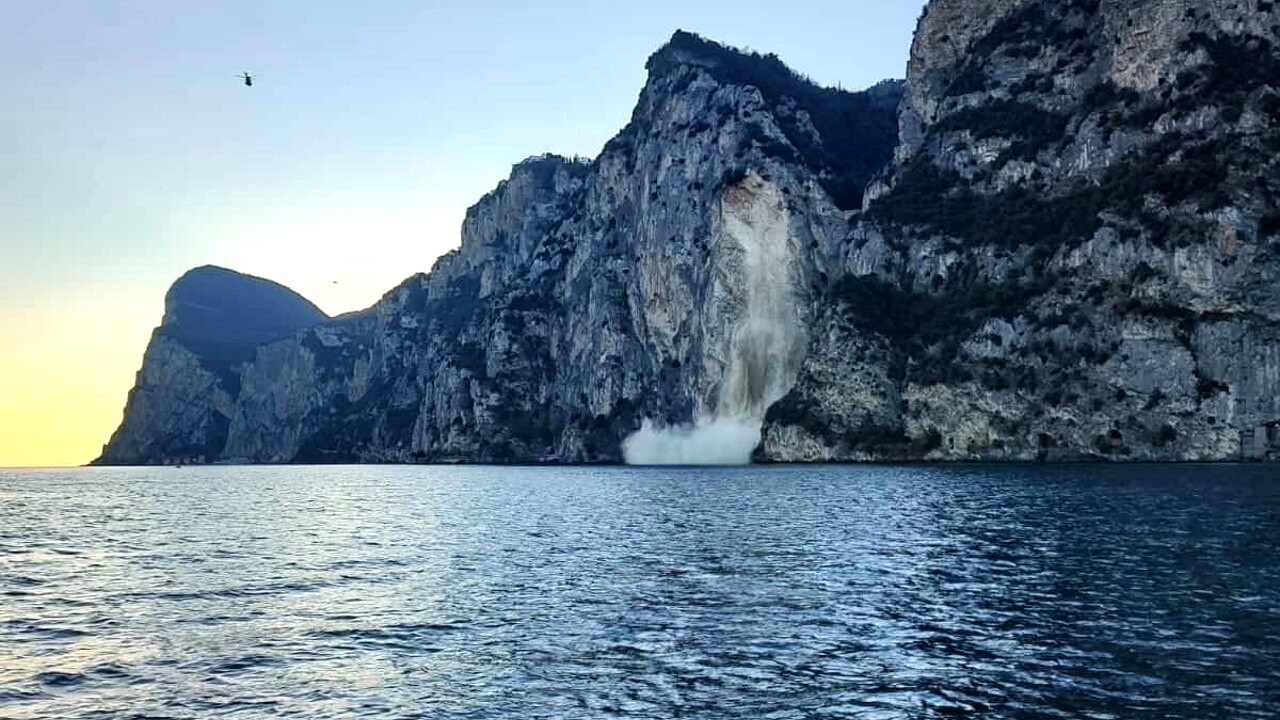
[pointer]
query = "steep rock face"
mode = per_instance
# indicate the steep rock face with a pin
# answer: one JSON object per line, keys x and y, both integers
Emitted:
{"x": 214, "y": 320}
{"x": 1057, "y": 241}
{"x": 1075, "y": 256}
{"x": 943, "y": 40}
{"x": 668, "y": 280}
{"x": 223, "y": 316}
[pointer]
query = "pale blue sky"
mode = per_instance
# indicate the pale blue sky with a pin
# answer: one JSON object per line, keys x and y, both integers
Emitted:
{"x": 129, "y": 150}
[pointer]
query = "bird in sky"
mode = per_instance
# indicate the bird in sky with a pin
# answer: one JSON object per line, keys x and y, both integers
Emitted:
{"x": 248, "y": 79}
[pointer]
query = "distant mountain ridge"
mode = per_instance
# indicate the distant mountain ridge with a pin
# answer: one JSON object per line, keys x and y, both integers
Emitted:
{"x": 1056, "y": 240}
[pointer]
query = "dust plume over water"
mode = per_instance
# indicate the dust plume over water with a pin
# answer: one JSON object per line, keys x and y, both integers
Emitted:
{"x": 766, "y": 347}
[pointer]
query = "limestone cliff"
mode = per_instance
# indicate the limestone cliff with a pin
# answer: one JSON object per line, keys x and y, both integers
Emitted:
{"x": 1075, "y": 255}
{"x": 181, "y": 405}
{"x": 589, "y": 297}
{"x": 1057, "y": 241}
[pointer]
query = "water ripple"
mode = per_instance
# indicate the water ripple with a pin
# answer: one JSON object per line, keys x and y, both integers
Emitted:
{"x": 627, "y": 593}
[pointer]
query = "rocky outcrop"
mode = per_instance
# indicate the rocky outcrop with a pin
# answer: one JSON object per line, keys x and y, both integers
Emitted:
{"x": 181, "y": 406}
{"x": 1075, "y": 255}
{"x": 1056, "y": 241}
{"x": 589, "y": 297}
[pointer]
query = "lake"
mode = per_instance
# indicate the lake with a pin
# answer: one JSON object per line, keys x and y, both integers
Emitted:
{"x": 756, "y": 592}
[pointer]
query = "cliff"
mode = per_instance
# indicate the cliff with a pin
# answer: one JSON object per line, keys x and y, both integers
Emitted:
{"x": 1074, "y": 255}
{"x": 214, "y": 321}
{"x": 1057, "y": 240}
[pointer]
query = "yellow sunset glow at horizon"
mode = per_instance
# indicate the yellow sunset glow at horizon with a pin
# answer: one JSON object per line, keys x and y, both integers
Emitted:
{"x": 133, "y": 152}
{"x": 70, "y": 359}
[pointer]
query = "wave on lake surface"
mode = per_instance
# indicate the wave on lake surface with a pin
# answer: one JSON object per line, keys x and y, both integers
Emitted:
{"x": 778, "y": 592}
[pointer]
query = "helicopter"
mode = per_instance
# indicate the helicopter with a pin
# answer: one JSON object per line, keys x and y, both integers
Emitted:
{"x": 248, "y": 79}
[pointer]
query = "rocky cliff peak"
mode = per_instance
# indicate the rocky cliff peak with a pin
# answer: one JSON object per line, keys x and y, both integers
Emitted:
{"x": 215, "y": 320}
{"x": 844, "y": 137}
{"x": 1074, "y": 256}
{"x": 1059, "y": 56}
{"x": 223, "y": 316}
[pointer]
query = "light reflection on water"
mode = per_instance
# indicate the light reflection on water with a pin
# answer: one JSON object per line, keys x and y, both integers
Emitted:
{"x": 589, "y": 592}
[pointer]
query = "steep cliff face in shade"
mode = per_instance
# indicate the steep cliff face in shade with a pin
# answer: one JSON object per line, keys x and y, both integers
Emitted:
{"x": 223, "y": 316}
{"x": 181, "y": 405}
{"x": 1057, "y": 240}
{"x": 1075, "y": 255}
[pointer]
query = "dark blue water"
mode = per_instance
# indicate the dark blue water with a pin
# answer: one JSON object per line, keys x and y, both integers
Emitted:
{"x": 1146, "y": 592}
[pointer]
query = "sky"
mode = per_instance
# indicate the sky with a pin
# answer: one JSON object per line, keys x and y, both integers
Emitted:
{"x": 130, "y": 152}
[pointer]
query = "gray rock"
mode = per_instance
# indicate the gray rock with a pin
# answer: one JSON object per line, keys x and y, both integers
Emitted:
{"x": 1057, "y": 241}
